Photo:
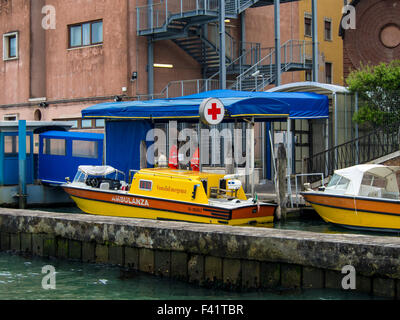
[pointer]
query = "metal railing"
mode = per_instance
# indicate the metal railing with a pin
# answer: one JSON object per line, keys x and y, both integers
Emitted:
{"x": 372, "y": 146}
{"x": 157, "y": 15}
{"x": 182, "y": 88}
{"x": 250, "y": 55}
{"x": 261, "y": 74}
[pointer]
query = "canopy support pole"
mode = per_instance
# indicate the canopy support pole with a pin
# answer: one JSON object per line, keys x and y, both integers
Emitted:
{"x": 289, "y": 160}
{"x": 326, "y": 146}
{"x": 252, "y": 141}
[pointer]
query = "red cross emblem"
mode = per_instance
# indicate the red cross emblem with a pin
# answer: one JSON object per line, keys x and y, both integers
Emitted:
{"x": 214, "y": 111}
{"x": 211, "y": 111}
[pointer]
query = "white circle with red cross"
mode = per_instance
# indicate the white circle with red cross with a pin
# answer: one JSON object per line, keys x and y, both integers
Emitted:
{"x": 212, "y": 111}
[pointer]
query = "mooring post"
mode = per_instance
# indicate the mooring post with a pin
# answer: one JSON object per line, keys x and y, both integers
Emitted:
{"x": 281, "y": 166}
{"x": 22, "y": 163}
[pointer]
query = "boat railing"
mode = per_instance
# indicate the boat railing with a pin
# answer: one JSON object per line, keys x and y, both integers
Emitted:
{"x": 298, "y": 198}
{"x": 164, "y": 175}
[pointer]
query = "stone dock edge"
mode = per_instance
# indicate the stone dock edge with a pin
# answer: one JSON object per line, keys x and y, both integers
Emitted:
{"x": 231, "y": 258}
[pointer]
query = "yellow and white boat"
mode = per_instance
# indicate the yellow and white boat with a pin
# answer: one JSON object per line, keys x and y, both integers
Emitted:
{"x": 360, "y": 197}
{"x": 167, "y": 194}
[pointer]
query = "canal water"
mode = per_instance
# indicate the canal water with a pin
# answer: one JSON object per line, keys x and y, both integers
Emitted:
{"x": 21, "y": 278}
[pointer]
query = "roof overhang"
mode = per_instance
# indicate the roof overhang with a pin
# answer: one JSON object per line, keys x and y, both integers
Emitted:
{"x": 309, "y": 86}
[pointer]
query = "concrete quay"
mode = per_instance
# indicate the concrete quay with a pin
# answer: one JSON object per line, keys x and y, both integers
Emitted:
{"x": 209, "y": 255}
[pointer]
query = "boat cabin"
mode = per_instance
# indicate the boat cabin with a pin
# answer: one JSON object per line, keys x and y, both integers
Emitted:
{"x": 182, "y": 185}
{"x": 186, "y": 185}
{"x": 367, "y": 180}
{"x": 60, "y": 154}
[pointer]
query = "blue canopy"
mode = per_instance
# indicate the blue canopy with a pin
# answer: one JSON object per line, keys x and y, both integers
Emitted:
{"x": 302, "y": 105}
{"x": 261, "y": 105}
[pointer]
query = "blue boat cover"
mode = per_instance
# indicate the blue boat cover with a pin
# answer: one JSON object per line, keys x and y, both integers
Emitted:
{"x": 261, "y": 105}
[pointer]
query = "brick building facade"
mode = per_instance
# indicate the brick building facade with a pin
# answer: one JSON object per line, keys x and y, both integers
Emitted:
{"x": 376, "y": 37}
{"x": 59, "y": 57}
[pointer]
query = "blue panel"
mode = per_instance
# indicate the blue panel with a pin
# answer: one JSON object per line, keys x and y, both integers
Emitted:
{"x": 10, "y": 164}
{"x": 54, "y": 168}
{"x": 122, "y": 153}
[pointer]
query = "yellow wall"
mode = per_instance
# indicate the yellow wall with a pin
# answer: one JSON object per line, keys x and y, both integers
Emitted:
{"x": 329, "y": 51}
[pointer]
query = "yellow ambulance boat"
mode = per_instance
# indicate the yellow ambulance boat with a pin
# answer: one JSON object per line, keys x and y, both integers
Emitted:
{"x": 167, "y": 194}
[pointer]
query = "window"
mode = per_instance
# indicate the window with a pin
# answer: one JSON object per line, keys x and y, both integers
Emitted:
{"x": 308, "y": 71}
{"x": 11, "y": 145}
{"x": 100, "y": 123}
{"x": 10, "y": 117}
{"x": 307, "y": 25}
{"x": 85, "y": 34}
{"x": 328, "y": 72}
{"x": 145, "y": 185}
{"x": 338, "y": 182}
{"x": 74, "y": 124}
{"x": 10, "y": 46}
{"x": 86, "y": 124}
{"x": 84, "y": 149}
{"x": 328, "y": 29}
{"x": 54, "y": 146}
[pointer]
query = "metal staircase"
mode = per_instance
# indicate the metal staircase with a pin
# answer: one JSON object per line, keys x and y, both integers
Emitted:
{"x": 183, "y": 21}
{"x": 296, "y": 55}
{"x": 205, "y": 51}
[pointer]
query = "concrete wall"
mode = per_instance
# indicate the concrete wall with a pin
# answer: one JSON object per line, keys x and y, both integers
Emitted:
{"x": 223, "y": 256}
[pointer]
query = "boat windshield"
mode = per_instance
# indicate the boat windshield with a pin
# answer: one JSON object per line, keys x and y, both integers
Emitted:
{"x": 79, "y": 177}
{"x": 338, "y": 182}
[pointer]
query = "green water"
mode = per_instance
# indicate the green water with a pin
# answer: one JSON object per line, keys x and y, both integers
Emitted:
{"x": 21, "y": 278}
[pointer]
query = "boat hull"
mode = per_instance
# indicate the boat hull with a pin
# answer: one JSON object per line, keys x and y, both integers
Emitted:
{"x": 134, "y": 206}
{"x": 375, "y": 214}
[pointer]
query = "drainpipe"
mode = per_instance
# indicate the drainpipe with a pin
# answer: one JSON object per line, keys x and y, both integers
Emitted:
{"x": 243, "y": 35}
{"x": 222, "y": 49}
{"x": 150, "y": 66}
{"x": 22, "y": 163}
{"x": 315, "y": 40}
{"x": 277, "y": 43}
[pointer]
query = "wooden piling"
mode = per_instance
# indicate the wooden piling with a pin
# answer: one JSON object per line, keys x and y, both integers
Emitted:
{"x": 281, "y": 166}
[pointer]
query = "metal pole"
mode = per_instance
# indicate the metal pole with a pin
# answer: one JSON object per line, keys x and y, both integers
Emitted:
{"x": 150, "y": 66}
{"x": 252, "y": 169}
{"x": 222, "y": 49}
{"x": 289, "y": 160}
{"x": 315, "y": 40}
{"x": 242, "y": 34}
{"x": 22, "y": 163}
{"x": 150, "y": 53}
{"x": 336, "y": 129}
{"x": 199, "y": 144}
{"x": 277, "y": 43}
{"x": 356, "y": 129}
